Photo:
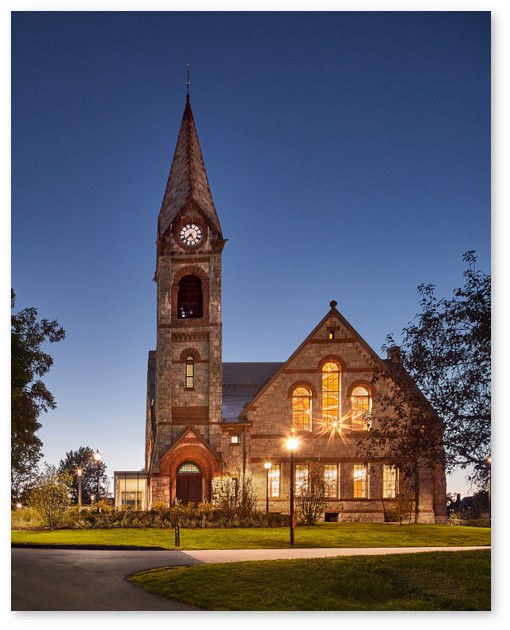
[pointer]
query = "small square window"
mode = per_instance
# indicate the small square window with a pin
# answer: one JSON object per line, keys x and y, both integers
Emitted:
{"x": 234, "y": 439}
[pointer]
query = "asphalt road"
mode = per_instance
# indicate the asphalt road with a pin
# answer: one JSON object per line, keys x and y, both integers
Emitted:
{"x": 68, "y": 579}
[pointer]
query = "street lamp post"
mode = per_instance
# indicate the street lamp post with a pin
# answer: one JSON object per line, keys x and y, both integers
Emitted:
{"x": 489, "y": 461}
{"x": 97, "y": 457}
{"x": 267, "y": 466}
{"x": 79, "y": 472}
{"x": 292, "y": 444}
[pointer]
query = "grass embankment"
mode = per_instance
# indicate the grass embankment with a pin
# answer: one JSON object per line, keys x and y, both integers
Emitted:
{"x": 424, "y": 581}
{"x": 322, "y": 535}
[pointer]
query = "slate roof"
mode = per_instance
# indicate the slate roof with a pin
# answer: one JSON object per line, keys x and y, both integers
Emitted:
{"x": 241, "y": 381}
{"x": 187, "y": 180}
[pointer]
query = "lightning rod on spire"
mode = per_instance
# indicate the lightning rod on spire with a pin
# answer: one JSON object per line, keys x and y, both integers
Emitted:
{"x": 187, "y": 80}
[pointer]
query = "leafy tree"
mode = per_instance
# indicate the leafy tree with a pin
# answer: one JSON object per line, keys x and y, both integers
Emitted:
{"x": 29, "y": 395}
{"x": 83, "y": 459}
{"x": 447, "y": 352}
{"x": 434, "y": 391}
{"x": 404, "y": 428}
{"x": 50, "y": 495}
{"x": 310, "y": 494}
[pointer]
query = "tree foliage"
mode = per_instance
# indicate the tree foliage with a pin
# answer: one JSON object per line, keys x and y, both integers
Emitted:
{"x": 404, "y": 428}
{"x": 29, "y": 395}
{"x": 83, "y": 459}
{"x": 434, "y": 394}
{"x": 50, "y": 495}
{"x": 447, "y": 352}
{"x": 310, "y": 494}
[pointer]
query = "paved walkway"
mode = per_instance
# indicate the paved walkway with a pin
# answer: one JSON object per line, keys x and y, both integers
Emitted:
{"x": 78, "y": 579}
{"x": 243, "y": 555}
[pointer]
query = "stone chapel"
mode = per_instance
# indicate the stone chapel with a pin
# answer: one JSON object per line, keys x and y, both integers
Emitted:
{"x": 209, "y": 421}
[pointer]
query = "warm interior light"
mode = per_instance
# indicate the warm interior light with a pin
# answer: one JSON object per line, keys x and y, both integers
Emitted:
{"x": 267, "y": 465}
{"x": 79, "y": 471}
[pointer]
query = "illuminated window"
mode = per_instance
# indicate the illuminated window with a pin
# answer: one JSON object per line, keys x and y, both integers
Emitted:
{"x": 274, "y": 480}
{"x": 190, "y": 372}
{"x": 331, "y": 394}
{"x": 331, "y": 481}
{"x": 361, "y": 481}
{"x": 189, "y": 297}
{"x": 301, "y": 482}
{"x": 234, "y": 439}
{"x": 390, "y": 481}
{"x": 361, "y": 407}
{"x": 302, "y": 409}
{"x": 189, "y": 468}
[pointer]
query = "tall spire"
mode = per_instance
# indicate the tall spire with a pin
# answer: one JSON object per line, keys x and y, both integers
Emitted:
{"x": 187, "y": 181}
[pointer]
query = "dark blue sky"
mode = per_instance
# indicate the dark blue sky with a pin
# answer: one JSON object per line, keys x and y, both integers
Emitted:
{"x": 348, "y": 156}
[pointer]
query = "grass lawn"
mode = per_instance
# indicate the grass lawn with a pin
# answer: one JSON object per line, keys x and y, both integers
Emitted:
{"x": 424, "y": 581}
{"x": 321, "y": 535}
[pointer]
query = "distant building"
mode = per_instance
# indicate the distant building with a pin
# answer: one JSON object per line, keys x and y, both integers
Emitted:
{"x": 209, "y": 422}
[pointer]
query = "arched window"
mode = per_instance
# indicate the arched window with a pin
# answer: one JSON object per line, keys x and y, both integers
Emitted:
{"x": 189, "y": 297}
{"x": 302, "y": 409}
{"x": 190, "y": 372}
{"x": 331, "y": 394}
{"x": 361, "y": 407}
{"x": 188, "y": 468}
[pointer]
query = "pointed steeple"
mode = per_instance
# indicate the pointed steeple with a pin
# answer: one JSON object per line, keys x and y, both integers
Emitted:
{"x": 187, "y": 182}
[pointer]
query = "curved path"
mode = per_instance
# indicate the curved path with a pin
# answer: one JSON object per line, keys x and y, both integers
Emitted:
{"x": 78, "y": 579}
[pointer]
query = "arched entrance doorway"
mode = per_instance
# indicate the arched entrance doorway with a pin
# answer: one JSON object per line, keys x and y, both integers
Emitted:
{"x": 189, "y": 483}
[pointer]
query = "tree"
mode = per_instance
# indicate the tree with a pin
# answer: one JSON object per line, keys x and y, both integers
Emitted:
{"x": 447, "y": 352}
{"x": 434, "y": 393}
{"x": 50, "y": 495}
{"x": 83, "y": 459}
{"x": 404, "y": 428}
{"x": 29, "y": 395}
{"x": 310, "y": 494}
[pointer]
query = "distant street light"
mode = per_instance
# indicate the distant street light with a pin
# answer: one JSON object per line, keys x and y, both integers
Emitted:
{"x": 97, "y": 457}
{"x": 79, "y": 472}
{"x": 292, "y": 444}
{"x": 267, "y": 466}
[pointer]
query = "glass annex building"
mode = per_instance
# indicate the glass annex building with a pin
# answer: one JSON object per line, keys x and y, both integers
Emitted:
{"x": 130, "y": 490}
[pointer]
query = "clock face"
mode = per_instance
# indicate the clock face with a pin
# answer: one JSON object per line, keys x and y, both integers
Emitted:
{"x": 191, "y": 234}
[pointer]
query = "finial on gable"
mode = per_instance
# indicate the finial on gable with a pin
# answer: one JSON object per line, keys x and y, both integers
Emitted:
{"x": 333, "y": 304}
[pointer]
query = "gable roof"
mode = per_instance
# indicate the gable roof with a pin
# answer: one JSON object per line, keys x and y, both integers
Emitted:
{"x": 187, "y": 181}
{"x": 357, "y": 337}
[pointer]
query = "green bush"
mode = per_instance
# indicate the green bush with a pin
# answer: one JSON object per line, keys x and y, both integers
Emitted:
{"x": 191, "y": 517}
{"x": 26, "y": 518}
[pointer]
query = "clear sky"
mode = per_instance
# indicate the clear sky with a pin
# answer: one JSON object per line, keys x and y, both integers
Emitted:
{"x": 348, "y": 156}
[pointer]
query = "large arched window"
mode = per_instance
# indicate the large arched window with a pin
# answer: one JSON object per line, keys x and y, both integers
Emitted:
{"x": 361, "y": 407}
{"x": 189, "y": 297}
{"x": 302, "y": 409}
{"x": 331, "y": 394}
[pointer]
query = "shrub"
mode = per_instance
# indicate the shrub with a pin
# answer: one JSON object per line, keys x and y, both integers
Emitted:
{"x": 50, "y": 495}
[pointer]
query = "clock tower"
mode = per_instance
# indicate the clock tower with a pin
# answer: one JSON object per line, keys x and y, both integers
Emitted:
{"x": 183, "y": 433}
